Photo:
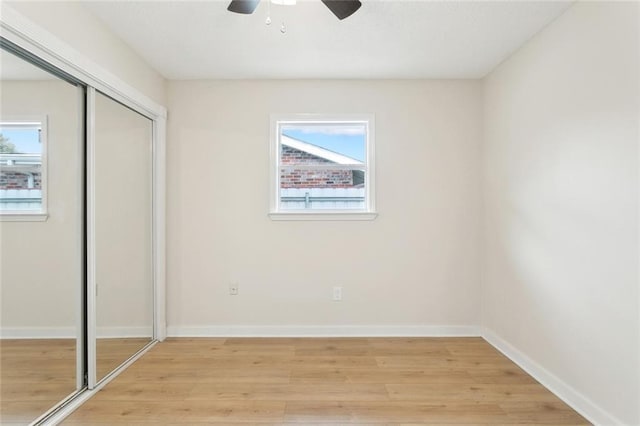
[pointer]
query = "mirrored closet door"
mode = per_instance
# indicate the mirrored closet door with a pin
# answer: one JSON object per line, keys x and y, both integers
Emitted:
{"x": 41, "y": 239}
{"x": 77, "y": 242}
{"x": 121, "y": 179}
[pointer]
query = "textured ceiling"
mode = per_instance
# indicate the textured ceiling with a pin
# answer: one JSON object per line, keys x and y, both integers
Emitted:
{"x": 384, "y": 39}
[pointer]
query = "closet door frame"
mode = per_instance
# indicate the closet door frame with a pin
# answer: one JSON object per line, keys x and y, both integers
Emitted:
{"x": 33, "y": 39}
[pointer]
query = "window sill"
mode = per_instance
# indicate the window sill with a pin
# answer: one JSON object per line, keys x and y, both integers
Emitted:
{"x": 335, "y": 216}
{"x": 23, "y": 217}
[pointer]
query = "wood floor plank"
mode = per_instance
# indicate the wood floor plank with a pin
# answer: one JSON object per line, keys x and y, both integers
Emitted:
{"x": 327, "y": 412}
{"x": 263, "y": 341}
{"x": 290, "y": 392}
{"x": 212, "y": 350}
{"x": 333, "y": 376}
{"x": 390, "y": 412}
{"x": 379, "y": 375}
{"x": 409, "y": 376}
{"x": 141, "y": 374}
{"x": 509, "y": 374}
{"x": 486, "y": 393}
{"x": 226, "y": 412}
{"x": 450, "y": 362}
{"x": 188, "y": 364}
{"x": 149, "y": 391}
{"x": 332, "y": 361}
{"x": 26, "y": 391}
{"x": 426, "y": 413}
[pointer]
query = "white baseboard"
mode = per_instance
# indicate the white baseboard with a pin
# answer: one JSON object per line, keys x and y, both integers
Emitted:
{"x": 120, "y": 332}
{"x": 38, "y": 333}
{"x": 583, "y": 405}
{"x": 71, "y": 332}
{"x": 324, "y": 331}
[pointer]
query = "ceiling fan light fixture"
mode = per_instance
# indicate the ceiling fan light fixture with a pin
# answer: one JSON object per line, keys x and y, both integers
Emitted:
{"x": 340, "y": 8}
{"x": 284, "y": 2}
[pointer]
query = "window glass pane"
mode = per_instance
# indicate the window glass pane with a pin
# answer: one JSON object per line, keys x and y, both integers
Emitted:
{"x": 339, "y": 143}
{"x": 322, "y": 189}
{"x": 20, "y": 167}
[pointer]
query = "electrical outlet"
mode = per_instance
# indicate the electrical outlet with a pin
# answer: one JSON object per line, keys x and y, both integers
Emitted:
{"x": 233, "y": 289}
{"x": 337, "y": 294}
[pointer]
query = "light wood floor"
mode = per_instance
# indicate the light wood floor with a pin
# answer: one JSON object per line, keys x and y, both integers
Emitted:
{"x": 36, "y": 374}
{"x": 324, "y": 381}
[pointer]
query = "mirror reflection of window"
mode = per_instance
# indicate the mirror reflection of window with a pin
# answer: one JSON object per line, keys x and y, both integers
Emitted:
{"x": 22, "y": 181}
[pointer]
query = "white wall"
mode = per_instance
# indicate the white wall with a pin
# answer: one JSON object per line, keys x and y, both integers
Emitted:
{"x": 560, "y": 260}
{"x": 40, "y": 265}
{"x": 416, "y": 264}
{"x": 73, "y": 24}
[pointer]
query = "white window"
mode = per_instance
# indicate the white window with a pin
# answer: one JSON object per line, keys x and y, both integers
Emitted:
{"x": 322, "y": 167}
{"x": 23, "y": 169}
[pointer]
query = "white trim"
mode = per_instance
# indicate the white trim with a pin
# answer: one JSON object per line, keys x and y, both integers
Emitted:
{"x": 315, "y": 215}
{"x": 24, "y": 217}
{"x": 72, "y": 332}
{"x": 325, "y": 331}
{"x": 159, "y": 228}
{"x": 583, "y": 405}
{"x": 38, "y": 421}
{"x": 66, "y": 410}
{"x": 38, "y": 333}
{"x": 322, "y": 167}
{"x": 91, "y": 239}
{"x": 370, "y": 184}
{"x": 124, "y": 332}
{"x": 80, "y": 239}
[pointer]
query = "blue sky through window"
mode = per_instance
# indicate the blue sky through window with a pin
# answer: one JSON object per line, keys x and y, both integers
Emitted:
{"x": 26, "y": 140}
{"x": 349, "y": 140}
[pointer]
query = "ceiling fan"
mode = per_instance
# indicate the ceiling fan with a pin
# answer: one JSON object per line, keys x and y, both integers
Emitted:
{"x": 341, "y": 8}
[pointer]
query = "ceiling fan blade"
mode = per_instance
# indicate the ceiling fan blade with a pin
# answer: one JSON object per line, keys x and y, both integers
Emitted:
{"x": 342, "y": 8}
{"x": 243, "y": 6}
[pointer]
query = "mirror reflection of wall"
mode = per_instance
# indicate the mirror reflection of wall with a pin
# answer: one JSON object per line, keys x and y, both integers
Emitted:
{"x": 123, "y": 233}
{"x": 41, "y": 239}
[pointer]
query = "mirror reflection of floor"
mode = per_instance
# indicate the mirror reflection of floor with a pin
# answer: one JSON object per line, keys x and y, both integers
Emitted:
{"x": 36, "y": 374}
{"x": 114, "y": 351}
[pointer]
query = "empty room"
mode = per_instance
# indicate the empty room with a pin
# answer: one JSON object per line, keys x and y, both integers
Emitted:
{"x": 319, "y": 212}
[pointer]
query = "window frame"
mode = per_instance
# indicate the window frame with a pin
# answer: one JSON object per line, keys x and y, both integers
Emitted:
{"x": 31, "y": 121}
{"x": 277, "y": 121}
